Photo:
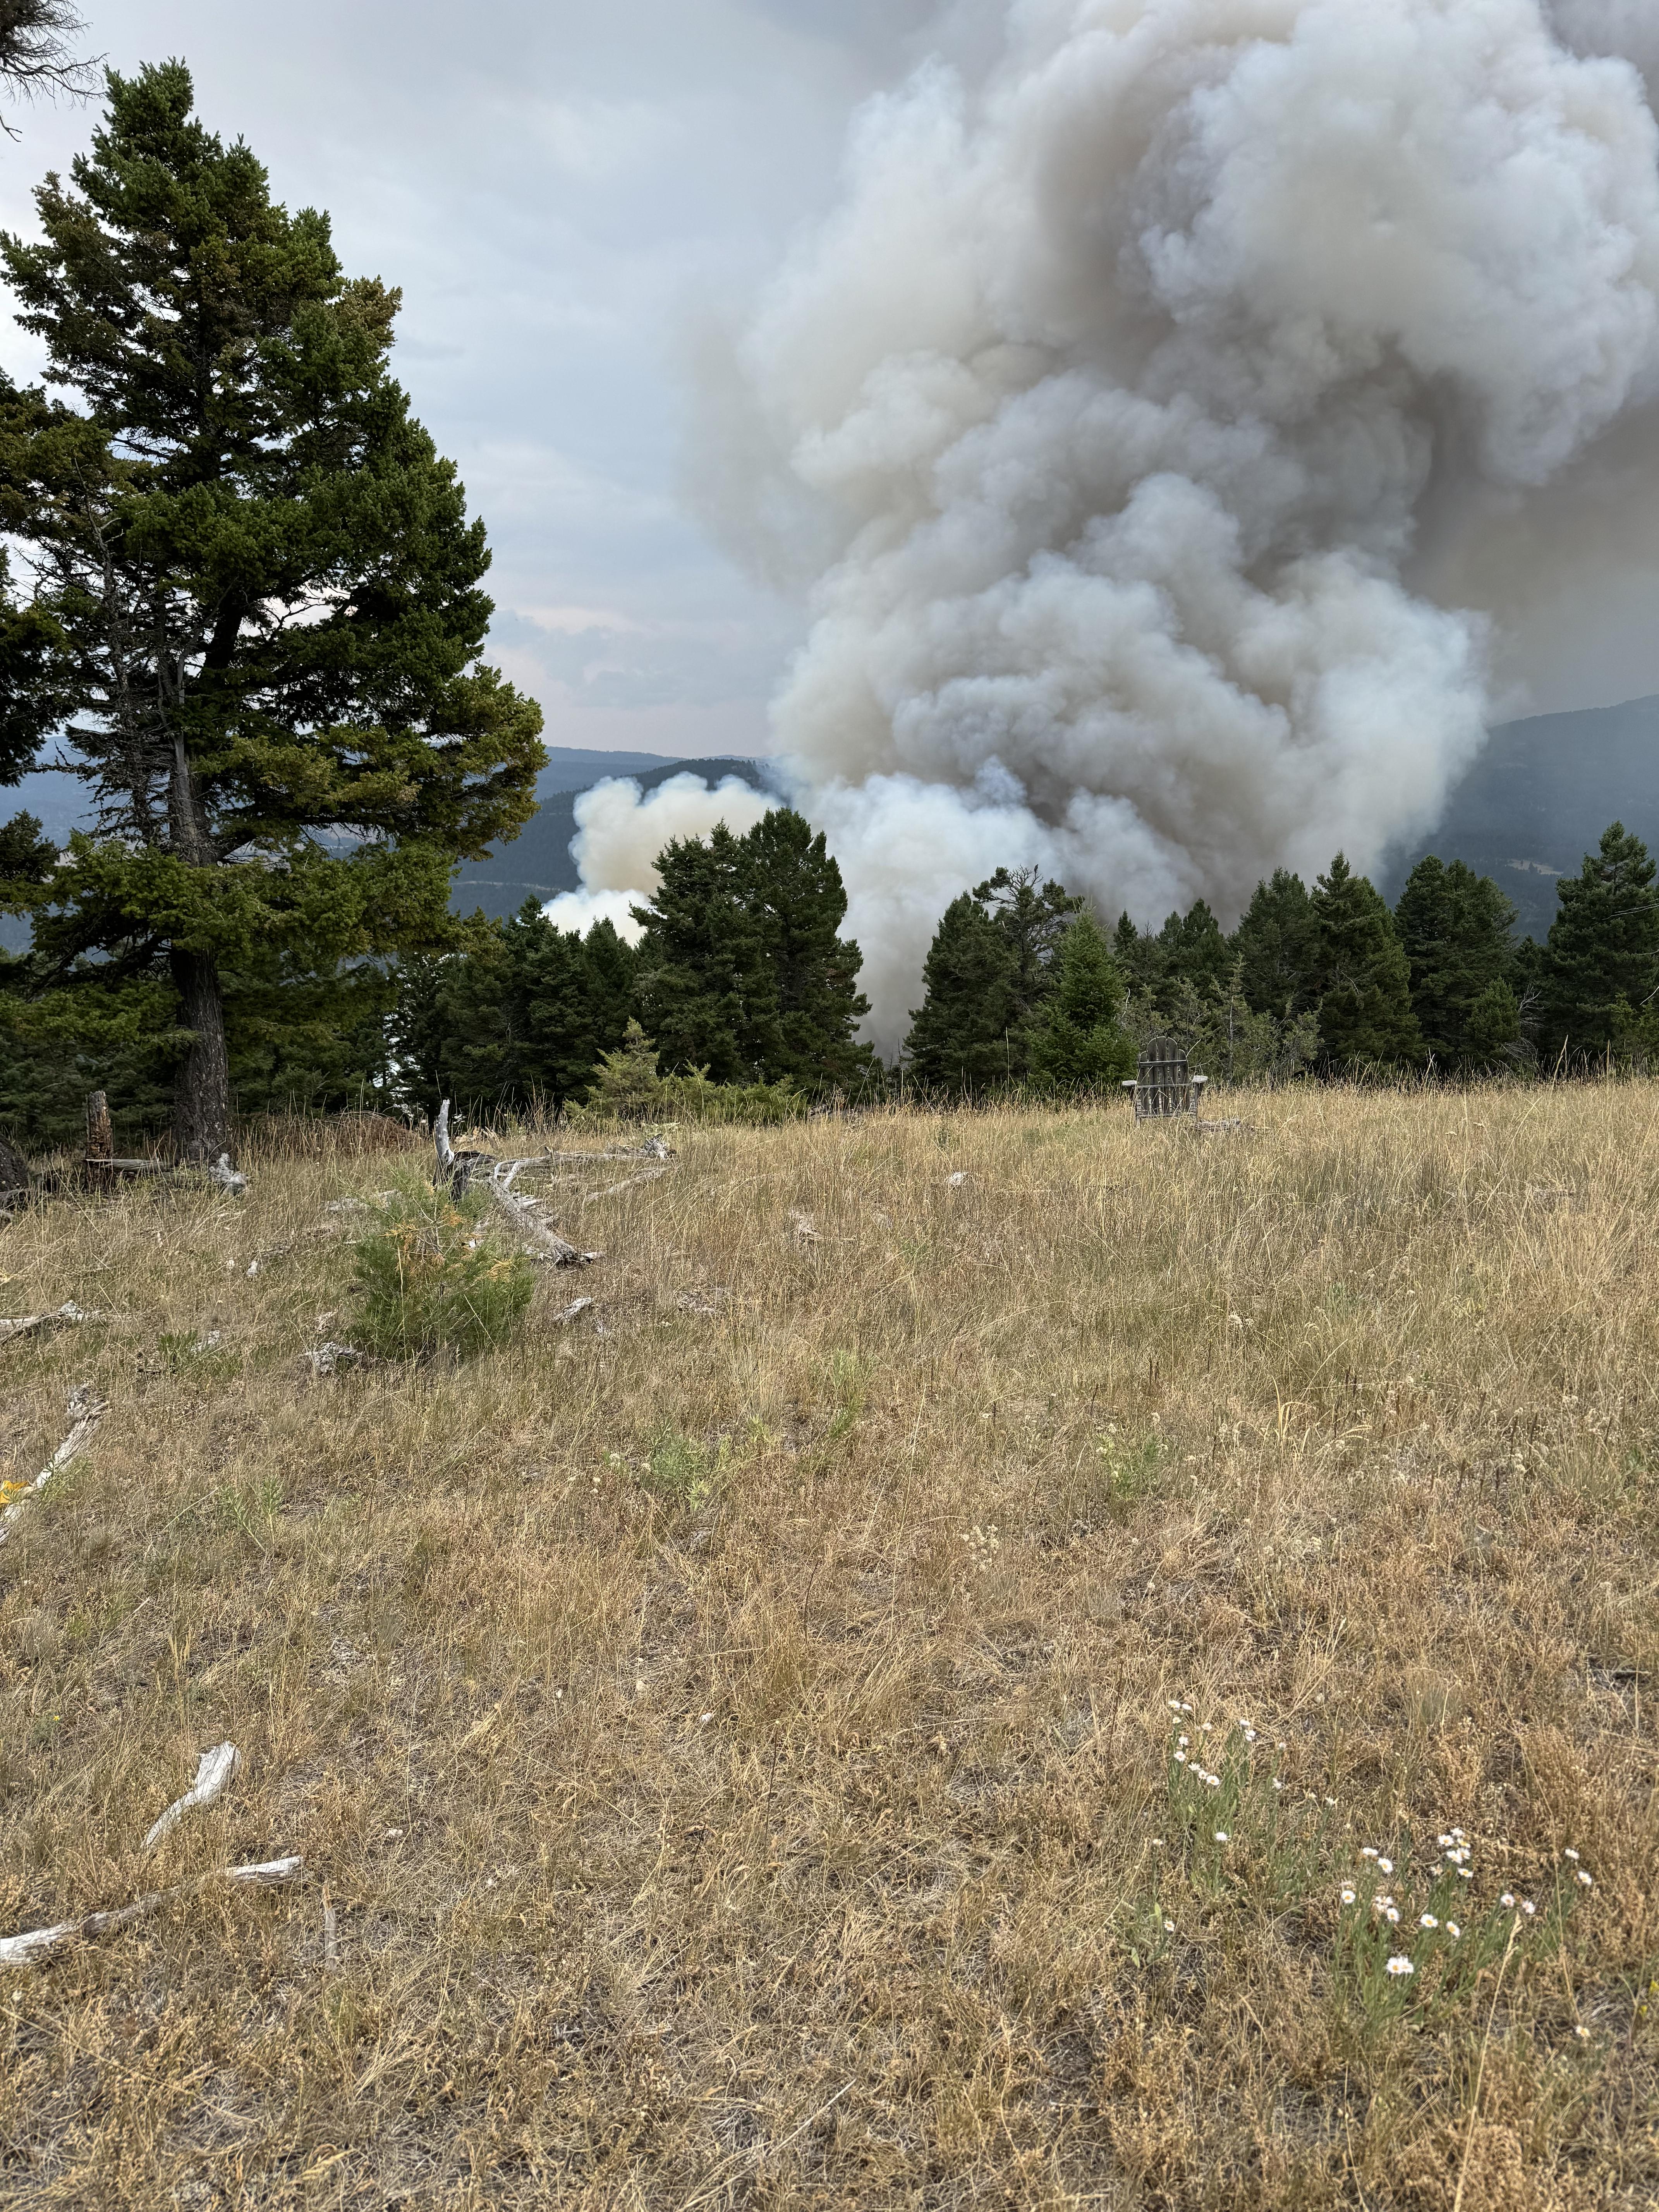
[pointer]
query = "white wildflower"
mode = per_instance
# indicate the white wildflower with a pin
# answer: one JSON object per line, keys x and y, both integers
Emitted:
{"x": 1366, "y": 1852}
{"x": 1391, "y": 1914}
{"x": 1398, "y": 1965}
{"x": 1169, "y": 1927}
{"x": 1278, "y": 1784}
{"x": 1445, "y": 1841}
{"x": 1347, "y": 1897}
{"x": 1582, "y": 1878}
{"x": 1529, "y": 1907}
{"x": 1180, "y": 1758}
{"x": 1385, "y": 1866}
{"x": 1222, "y": 1836}
{"x": 1464, "y": 1875}
{"x": 1569, "y": 1853}
{"x": 1507, "y": 1899}
{"x": 1453, "y": 1930}
{"x": 1427, "y": 1920}
{"x": 1582, "y": 2032}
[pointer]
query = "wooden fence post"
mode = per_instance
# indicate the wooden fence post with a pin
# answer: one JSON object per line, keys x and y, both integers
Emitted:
{"x": 101, "y": 1144}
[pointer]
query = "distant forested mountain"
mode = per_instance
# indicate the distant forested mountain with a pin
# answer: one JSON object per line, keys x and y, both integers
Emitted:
{"x": 1539, "y": 798}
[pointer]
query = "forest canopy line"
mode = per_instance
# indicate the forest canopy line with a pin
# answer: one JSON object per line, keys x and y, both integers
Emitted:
{"x": 243, "y": 602}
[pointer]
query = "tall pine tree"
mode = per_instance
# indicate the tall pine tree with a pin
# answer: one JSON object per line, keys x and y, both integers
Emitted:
{"x": 1601, "y": 964}
{"x": 1456, "y": 928}
{"x": 707, "y": 993}
{"x": 960, "y": 1040}
{"x": 262, "y": 590}
{"x": 796, "y": 896}
{"x": 1277, "y": 945}
{"x": 1079, "y": 1043}
{"x": 1365, "y": 1018}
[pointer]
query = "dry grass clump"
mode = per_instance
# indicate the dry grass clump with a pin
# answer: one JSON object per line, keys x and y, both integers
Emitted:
{"x": 734, "y": 1735}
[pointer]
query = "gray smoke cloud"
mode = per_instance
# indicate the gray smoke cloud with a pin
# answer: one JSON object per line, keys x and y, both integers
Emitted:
{"x": 1158, "y": 413}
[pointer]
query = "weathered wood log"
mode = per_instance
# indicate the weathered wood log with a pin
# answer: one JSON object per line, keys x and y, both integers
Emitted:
{"x": 39, "y": 1942}
{"x": 87, "y": 1411}
{"x": 21, "y": 1324}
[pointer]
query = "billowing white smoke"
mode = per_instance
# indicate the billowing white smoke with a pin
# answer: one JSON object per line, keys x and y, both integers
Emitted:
{"x": 1141, "y": 389}
{"x": 620, "y": 829}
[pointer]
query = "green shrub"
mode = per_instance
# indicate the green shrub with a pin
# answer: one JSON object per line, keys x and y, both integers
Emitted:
{"x": 627, "y": 1087}
{"x": 430, "y": 1278}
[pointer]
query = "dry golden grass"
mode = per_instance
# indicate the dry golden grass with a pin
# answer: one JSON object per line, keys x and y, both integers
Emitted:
{"x": 732, "y": 1735}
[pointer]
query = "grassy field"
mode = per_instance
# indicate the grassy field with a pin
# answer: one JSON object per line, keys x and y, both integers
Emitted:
{"x": 733, "y": 1734}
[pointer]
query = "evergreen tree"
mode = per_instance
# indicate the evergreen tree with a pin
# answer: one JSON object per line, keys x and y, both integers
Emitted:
{"x": 513, "y": 1017}
{"x": 988, "y": 975}
{"x": 960, "y": 1038}
{"x": 796, "y": 895}
{"x": 262, "y": 588}
{"x": 1457, "y": 928}
{"x": 1601, "y": 964}
{"x": 708, "y": 991}
{"x": 1365, "y": 1016}
{"x": 1034, "y": 922}
{"x": 1277, "y": 945}
{"x": 1139, "y": 956}
{"x": 1194, "y": 955}
{"x": 741, "y": 970}
{"x": 1079, "y": 1043}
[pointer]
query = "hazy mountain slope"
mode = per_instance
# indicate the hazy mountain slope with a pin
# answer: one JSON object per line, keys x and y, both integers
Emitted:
{"x": 1539, "y": 798}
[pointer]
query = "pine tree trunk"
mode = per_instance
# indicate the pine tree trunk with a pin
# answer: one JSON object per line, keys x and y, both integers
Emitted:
{"x": 201, "y": 1107}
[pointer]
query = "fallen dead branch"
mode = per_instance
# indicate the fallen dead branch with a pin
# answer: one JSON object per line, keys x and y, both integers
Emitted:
{"x": 87, "y": 1411}
{"x": 39, "y": 1942}
{"x": 461, "y": 1170}
{"x": 631, "y": 1182}
{"x": 214, "y": 1771}
{"x": 22, "y": 1323}
{"x": 574, "y": 1311}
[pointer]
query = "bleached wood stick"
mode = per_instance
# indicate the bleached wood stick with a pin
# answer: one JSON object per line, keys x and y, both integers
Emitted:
{"x": 213, "y": 1771}
{"x": 88, "y": 1410}
{"x": 22, "y": 1323}
{"x": 633, "y": 1182}
{"x": 38, "y": 1942}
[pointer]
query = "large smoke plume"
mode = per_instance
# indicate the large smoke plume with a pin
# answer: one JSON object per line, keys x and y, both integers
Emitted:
{"x": 1158, "y": 414}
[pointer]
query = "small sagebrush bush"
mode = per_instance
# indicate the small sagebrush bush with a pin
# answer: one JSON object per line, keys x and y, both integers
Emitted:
{"x": 430, "y": 1278}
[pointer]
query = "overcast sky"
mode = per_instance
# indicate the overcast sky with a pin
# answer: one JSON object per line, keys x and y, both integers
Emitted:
{"x": 561, "y": 189}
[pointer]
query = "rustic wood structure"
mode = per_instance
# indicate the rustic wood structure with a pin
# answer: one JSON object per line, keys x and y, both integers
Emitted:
{"x": 1165, "y": 1085}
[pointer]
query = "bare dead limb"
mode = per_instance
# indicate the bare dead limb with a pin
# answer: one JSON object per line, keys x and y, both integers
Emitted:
{"x": 39, "y": 1942}
{"x": 213, "y": 1771}
{"x": 460, "y": 1169}
{"x": 632, "y": 1182}
{"x": 541, "y": 1242}
{"x": 86, "y": 1411}
{"x": 23, "y": 1323}
{"x": 574, "y": 1311}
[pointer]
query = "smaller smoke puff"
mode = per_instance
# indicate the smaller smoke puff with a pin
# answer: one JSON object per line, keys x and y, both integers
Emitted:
{"x": 620, "y": 830}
